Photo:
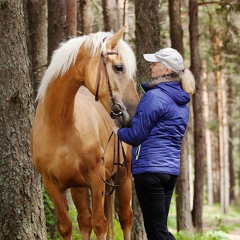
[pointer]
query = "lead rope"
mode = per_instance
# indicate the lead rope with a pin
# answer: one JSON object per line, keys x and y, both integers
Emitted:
{"x": 118, "y": 163}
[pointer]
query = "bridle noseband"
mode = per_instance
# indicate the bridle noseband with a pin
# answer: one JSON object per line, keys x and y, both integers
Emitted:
{"x": 102, "y": 64}
{"x": 116, "y": 111}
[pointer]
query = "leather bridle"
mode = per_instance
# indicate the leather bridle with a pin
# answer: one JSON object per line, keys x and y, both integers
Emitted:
{"x": 110, "y": 183}
{"x": 103, "y": 64}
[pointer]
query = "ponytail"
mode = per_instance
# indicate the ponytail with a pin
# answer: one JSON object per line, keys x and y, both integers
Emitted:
{"x": 187, "y": 80}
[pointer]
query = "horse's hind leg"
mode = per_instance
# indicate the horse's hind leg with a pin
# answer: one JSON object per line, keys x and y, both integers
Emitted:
{"x": 81, "y": 200}
{"x": 124, "y": 194}
{"x": 61, "y": 206}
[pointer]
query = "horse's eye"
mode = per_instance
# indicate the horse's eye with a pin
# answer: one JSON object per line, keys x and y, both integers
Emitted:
{"x": 118, "y": 68}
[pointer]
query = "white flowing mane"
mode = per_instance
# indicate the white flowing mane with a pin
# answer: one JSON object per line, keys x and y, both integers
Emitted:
{"x": 66, "y": 55}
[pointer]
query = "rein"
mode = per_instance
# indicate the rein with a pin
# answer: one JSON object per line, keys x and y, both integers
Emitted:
{"x": 116, "y": 162}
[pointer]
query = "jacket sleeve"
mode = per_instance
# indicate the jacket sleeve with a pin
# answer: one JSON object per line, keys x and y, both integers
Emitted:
{"x": 148, "y": 112}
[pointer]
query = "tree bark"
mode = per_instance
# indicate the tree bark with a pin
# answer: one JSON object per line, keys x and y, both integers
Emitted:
{"x": 37, "y": 45}
{"x": 222, "y": 119}
{"x": 208, "y": 137}
{"x": 147, "y": 41}
{"x": 21, "y": 212}
{"x": 85, "y": 17}
{"x": 233, "y": 199}
{"x": 176, "y": 33}
{"x": 198, "y": 120}
{"x": 147, "y": 34}
{"x": 56, "y": 25}
{"x": 71, "y": 18}
{"x": 184, "y": 219}
{"x": 110, "y": 15}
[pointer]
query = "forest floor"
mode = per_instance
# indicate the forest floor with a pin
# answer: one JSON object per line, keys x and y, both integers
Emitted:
{"x": 229, "y": 223}
{"x": 216, "y": 225}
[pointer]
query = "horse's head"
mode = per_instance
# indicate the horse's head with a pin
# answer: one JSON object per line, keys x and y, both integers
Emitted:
{"x": 102, "y": 62}
{"x": 109, "y": 75}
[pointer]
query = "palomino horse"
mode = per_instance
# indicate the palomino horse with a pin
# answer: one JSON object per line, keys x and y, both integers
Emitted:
{"x": 71, "y": 130}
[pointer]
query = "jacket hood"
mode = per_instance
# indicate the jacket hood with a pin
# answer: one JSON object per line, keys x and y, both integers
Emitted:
{"x": 172, "y": 89}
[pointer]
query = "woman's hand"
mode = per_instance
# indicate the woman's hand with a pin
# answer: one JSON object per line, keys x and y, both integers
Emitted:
{"x": 115, "y": 129}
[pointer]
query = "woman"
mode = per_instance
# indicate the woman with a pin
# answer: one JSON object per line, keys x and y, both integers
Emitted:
{"x": 156, "y": 135}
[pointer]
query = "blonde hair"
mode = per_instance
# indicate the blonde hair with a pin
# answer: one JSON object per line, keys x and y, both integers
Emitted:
{"x": 187, "y": 80}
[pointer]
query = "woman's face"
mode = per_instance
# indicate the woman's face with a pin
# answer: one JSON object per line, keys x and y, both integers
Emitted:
{"x": 158, "y": 69}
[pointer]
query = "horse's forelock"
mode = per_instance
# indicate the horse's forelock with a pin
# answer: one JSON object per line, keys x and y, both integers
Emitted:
{"x": 94, "y": 41}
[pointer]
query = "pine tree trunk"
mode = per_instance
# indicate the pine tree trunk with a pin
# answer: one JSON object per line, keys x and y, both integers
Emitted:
{"x": 56, "y": 25}
{"x": 21, "y": 212}
{"x": 147, "y": 41}
{"x": 198, "y": 120}
{"x": 37, "y": 45}
{"x": 147, "y": 34}
{"x": 208, "y": 138}
{"x": 85, "y": 19}
{"x": 233, "y": 199}
{"x": 71, "y": 18}
{"x": 176, "y": 33}
{"x": 110, "y": 15}
{"x": 222, "y": 121}
{"x": 184, "y": 218}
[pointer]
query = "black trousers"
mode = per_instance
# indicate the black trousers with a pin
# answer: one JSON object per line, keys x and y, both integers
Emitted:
{"x": 154, "y": 193}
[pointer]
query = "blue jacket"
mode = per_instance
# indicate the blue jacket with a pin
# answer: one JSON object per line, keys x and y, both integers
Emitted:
{"x": 158, "y": 128}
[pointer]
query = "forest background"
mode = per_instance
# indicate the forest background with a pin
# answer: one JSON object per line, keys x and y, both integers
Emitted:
{"x": 206, "y": 33}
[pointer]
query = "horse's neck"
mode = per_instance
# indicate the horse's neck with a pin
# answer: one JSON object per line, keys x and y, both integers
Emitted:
{"x": 59, "y": 101}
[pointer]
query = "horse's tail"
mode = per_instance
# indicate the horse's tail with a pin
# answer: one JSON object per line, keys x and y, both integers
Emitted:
{"x": 109, "y": 209}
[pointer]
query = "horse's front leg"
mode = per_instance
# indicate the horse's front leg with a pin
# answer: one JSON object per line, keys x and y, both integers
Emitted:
{"x": 61, "y": 206}
{"x": 81, "y": 200}
{"x": 99, "y": 221}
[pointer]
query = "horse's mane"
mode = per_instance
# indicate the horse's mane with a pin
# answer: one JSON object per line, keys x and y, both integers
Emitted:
{"x": 68, "y": 51}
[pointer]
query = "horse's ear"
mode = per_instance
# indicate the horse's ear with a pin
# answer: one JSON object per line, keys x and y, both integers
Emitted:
{"x": 113, "y": 41}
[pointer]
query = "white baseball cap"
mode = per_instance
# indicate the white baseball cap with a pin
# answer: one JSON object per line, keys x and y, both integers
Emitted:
{"x": 169, "y": 57}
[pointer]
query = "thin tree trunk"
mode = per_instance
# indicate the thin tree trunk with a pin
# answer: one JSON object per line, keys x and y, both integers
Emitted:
{"x": 208, "y": 138}
{"x": 176, "y": 33}
{"x": 233, "y": 199}
{"x": 85, "y": 19}
{"x": 71, "y": 18}
{"x": 222, "y": 120}
{"x": 198, "y": 120}
{"x": 37, "y": 46}
{"x": 110, "y": 15}
{"x": 184, "y": 219}
{"x": 56, "y": 24}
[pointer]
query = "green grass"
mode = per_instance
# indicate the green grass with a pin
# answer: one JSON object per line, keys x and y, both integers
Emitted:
{"x": 216, "y": 225}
